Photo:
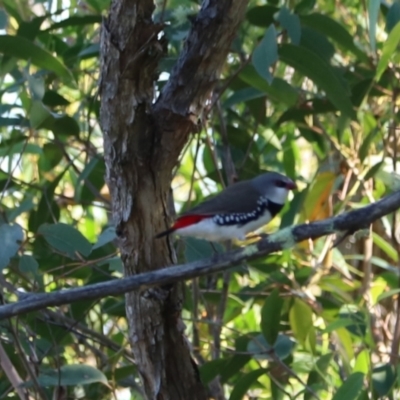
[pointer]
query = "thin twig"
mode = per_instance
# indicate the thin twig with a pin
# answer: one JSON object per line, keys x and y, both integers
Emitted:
{"x": 12, "y": 374}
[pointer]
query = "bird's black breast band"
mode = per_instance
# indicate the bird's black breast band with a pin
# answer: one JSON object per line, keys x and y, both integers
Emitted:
{"x": 244, "y": 218}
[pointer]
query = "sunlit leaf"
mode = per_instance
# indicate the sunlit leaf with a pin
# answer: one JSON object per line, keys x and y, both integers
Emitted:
{"x": 389, "y": 48}
{"x": 385, "y": 246}
{"x": 363, "y": 362}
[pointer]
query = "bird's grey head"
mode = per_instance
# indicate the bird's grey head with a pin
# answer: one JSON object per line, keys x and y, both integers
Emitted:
{"x": 274, "y": 186}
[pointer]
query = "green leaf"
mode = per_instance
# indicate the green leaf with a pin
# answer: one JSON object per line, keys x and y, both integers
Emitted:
{"x": 266, "y": 54}
{"x": 300, "y": 318}
{"x": 115, "y": 265}
{"x": 22, "y": 48}
{"x": 36, "y": 87}
{"x": 3, "y": 19}
{"x": 389, "y": 48}
{"x": 91, "y": 180}
{"x": 389, "y": 293}
{"x": 373, "y": 170}
{"x": 363, "y": 362}
{"x": 107, "y": 236}
{"x": 304, "y": 6}
{"x": 65, "y": 125}
{"x": 66, "y": 239}
{"x": 392, "y": 16}
{"x": 20, "y": 147}
{"x": 317, "y": 43}
{"x": 76, "y": 20}
{"x": 47, "y": 210}
{"x": 236, "y": 363}
{"x": 30, "y": 29}
{"x": 358, "y": 326}
{"x": 366, "y": 144}
{"x": 11, "y": 237}
{"x": 351, "y": 388}
{"x": 291, "y": 23}
{"x": 314, "y": 67}
{"x": 52, "y": 99}
{"x": 28, "y": 264}
{"x": 243, "y": 95}
{"x": 373, "y": 13}
{"x": 90, "y": 51}
{"x": 385, "y": 246}
{"x": 71, "y": 375}
{"x": 51, "y": 156}
{"x": 279, "y": 90}
{"x": 339, "y": 323}
{"x": 317, "y": 376}
{"x": 39, "y": 115}
{"x": 211, "y": 369}
{"x": 244, "y": 383}
{"x": 261, "y": 349}
{"x": 383, "y": 379}
{"x": 196, "y": 249}
{"x": 334, "y": 30}
{"x": 262, "y": 15}
{"x": 271, "y": 316}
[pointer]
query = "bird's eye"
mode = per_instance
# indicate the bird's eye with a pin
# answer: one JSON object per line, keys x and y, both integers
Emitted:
{"x": 280, "y": 183}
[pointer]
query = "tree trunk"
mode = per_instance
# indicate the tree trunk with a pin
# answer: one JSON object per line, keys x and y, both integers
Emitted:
{"x": 142, "y": 142}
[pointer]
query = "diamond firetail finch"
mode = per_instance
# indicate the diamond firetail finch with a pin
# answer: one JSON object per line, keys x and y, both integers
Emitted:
{"x": 236, "y": 211}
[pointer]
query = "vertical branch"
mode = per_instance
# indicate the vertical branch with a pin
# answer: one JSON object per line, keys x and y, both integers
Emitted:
{"x": 142, "y": 141}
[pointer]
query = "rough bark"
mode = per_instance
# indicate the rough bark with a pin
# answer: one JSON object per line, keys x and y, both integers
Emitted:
{"x": 142, "y": 142}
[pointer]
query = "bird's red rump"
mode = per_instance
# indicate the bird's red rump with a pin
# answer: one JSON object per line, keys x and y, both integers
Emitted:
{"x": 188, "y": 220}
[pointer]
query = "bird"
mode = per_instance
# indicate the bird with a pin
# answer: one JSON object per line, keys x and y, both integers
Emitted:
{"x": 236, "y": 211}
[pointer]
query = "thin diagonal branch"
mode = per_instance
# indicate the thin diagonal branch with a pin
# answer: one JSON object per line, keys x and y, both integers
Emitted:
{"x": 350, "y": 221}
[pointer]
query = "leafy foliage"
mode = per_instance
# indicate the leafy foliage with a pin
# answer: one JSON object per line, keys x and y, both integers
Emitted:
{"x": 310, "y": 90}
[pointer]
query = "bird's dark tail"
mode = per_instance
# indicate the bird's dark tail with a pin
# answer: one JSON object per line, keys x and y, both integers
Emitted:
{"x": 165, "y": 233}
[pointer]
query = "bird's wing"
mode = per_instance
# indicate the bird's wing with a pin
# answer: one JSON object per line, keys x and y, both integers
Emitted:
{"x": 234, "y": 199}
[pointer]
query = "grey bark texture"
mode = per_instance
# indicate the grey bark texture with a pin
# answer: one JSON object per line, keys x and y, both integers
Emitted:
{"x": 142, "y": 141}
